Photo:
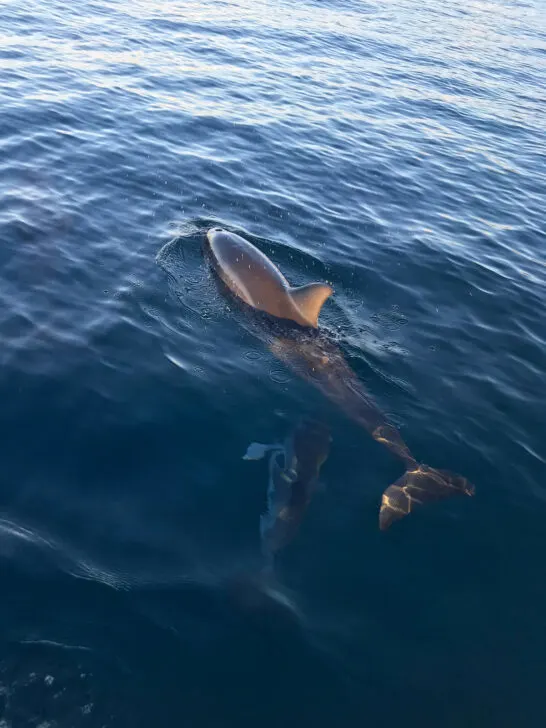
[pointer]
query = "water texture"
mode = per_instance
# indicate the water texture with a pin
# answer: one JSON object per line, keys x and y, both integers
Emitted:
{"x": 395, "y": 150}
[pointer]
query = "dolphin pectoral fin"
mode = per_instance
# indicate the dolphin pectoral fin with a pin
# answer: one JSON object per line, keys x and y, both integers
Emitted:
{"x": 257, "y": 451}
{"x": 419, "y": 486}
{"x": 309, "y": 300}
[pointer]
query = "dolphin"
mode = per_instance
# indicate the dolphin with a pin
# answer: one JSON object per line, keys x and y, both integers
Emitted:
{"x": 293, "y": 480}
{"x": 292, "y": 334}
{"x": 253, "y": 278}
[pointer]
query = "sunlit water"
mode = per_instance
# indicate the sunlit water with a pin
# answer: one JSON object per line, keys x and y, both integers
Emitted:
{"x": 396, "y": 150}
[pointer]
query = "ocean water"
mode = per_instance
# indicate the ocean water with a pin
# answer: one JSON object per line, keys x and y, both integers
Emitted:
{"x": 396, "y": 150}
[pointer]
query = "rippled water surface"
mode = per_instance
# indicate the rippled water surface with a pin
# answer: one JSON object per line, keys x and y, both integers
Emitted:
{"x": 395, "y": 150}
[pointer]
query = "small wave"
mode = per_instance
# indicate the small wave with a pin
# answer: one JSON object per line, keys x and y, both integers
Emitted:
{"x": 21, "y": 545}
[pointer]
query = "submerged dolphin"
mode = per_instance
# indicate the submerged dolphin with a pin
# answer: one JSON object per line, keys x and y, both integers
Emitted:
{"x": 293, "y": 479}
{"x": 256, "y": 281}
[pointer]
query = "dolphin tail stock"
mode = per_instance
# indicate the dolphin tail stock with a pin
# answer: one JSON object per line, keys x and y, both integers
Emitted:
{"x": 420, "y": 484}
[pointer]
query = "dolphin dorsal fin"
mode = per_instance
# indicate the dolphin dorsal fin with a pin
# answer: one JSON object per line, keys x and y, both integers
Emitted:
{"x": 309, "y": 300}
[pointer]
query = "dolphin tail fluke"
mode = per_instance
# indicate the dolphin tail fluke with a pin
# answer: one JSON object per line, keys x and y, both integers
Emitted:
{"x": 416, "y": 487}
{"x": 309, "y": 300}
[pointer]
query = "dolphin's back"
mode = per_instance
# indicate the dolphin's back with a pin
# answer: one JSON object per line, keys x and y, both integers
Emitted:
{"x": 253, "y": 278}
{"x": 246, "y": 270}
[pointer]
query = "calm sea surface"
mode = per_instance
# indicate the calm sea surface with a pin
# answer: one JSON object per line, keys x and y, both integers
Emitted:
{"x": 395, "y": 149}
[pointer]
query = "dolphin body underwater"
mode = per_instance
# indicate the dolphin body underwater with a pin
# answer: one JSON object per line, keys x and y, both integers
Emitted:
{"x": 294, "y": 468}
{"x": 253, "y": 279}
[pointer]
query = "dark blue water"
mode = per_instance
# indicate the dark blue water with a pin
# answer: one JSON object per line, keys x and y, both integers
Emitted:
{"x": 396, "y": 150}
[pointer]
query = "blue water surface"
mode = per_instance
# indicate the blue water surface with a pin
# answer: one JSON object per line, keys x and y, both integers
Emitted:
{"x": 393, "y": 149}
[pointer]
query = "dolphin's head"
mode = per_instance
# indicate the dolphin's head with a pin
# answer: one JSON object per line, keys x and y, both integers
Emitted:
{"x": 213, "y": 232}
